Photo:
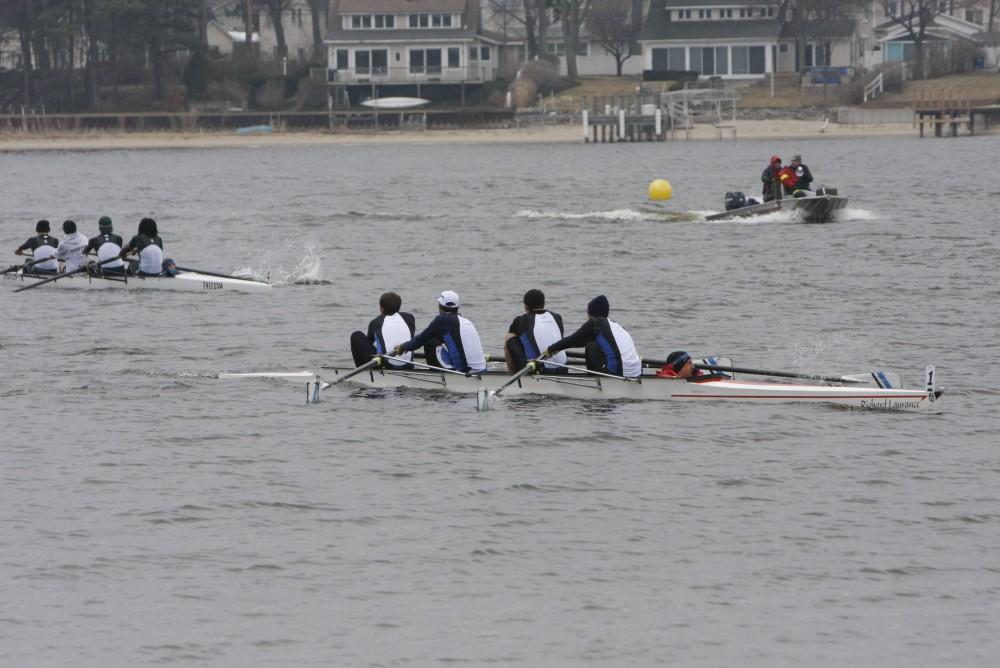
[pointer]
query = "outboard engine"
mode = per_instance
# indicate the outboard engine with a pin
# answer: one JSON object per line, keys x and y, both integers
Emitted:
{"x": 735, "y": 200}
{"x": 826, "y": 190}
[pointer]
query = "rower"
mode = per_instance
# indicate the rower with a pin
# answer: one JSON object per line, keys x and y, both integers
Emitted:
{"x": 608, "y": 347}
{"x": 107, "y": 245}
{"x": 450, "y": 341}
{"x": 42, "y": 247}
{"x": 385, "y": 332}
{"x": 72, "y": 250}
{"x": 149, "y": 246}
{"x": 532, "y": 332}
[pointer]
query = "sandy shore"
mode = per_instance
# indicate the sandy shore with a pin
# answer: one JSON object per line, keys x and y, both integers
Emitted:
{"x": 769, "y": 129}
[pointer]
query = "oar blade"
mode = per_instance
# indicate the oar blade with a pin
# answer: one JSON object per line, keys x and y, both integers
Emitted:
{"x": 484, "y": 399}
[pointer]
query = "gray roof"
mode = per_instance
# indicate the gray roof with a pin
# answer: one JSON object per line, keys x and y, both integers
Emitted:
{"x": 827, "y": 29}
{"x": 987, "y": 38}
{"x": 410, "y": 36}
{"x": 659, "y": 27}
{"x": 401, "y": 6}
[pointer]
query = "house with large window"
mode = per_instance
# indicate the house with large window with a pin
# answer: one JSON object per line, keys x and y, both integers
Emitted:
{"x": 413, "y": 43}
{"x": 724, "y": 38}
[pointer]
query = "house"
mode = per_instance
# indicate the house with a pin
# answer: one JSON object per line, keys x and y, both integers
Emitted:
{"x": 413, "y": 43}
{"x": 944, "y": 31}
{"x": 592, "y": 59}
{"x": 227, "y": 27}
{"x": 724, "y": 38}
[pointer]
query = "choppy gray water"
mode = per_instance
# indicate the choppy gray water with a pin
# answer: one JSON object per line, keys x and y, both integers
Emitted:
{"x": 154, "y": 514}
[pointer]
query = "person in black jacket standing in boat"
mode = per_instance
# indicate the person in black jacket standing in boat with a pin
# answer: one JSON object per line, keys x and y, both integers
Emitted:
{"x": 803, "y": 177}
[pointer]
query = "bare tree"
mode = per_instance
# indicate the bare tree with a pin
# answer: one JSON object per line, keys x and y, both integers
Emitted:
{"x": 318, "y": 10}
{"x": 572, "y": 14}
{"x": 531, "y": 15}
{"x": 276, "y": 12}
{"x": 993, "y": 14}
{"x": 610, "y": 24}
{"x": 915, "y": 16}
{"x": 808, "y": 19}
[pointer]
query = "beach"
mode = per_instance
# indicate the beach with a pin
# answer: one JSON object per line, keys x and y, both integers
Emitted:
{"x": 561, "y": 133}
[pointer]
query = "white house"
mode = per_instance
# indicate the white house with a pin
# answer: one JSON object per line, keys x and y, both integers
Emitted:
{"x": 724, "y": 38}
{"x": 408, "y": 42}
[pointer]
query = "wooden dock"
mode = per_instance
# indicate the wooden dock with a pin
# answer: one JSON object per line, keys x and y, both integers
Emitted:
{"x": 622, "y": 119}
{"x": 953, "y": 109}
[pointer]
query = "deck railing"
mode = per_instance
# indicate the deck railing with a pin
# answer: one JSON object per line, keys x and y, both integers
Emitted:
{"x": 411, "y": 74}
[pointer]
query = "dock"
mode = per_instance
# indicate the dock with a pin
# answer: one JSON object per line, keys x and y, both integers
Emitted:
{"x": 952, "y": 109}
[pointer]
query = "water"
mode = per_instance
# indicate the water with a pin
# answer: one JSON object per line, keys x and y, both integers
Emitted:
{"x": 154, "y": 514}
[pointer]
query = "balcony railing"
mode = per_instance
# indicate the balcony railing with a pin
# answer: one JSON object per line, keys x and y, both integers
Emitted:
{"x": 411, "y": 74}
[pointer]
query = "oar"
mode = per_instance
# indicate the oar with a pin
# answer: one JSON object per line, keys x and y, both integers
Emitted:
{"x": 485, "y": 398}
{"x": 210, "y": 273}
{"x": 27, "y": 265}
{"x": 68, "y": 273}
{"x": 781, "y": 374}
{"x": 373, "y": 362}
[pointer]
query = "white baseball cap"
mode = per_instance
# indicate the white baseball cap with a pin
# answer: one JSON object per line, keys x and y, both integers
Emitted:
{"x": 449, "y": 299}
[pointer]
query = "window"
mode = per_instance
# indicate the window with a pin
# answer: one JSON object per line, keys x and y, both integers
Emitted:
{"x": 891, "y": 9}
{"x": 721, "y": 60}
{"x": 744, "y": 12}
{"x": 375, "y": 61}
{"x": 725, "y": 13}
{"x": 748, "y": 60}
{"x": 783, "y": 48}
{"x": 683, "y": 14}
{"x": 669, "y": 59}
{"x": 454, "y": 57}
{"x": 484, "y": 53}
{"x": 441, "y": 20}
{"x": 704, "y": 13}
{"x": 342, "y": 59}
{"x": 974, "y": 16}
{"x": 474, "y": 53}
{"x": 362, "y": 62}
{"x": 420, "y": 20}
{"x": 385, "y": 21}
{"x": 425, "y": 61}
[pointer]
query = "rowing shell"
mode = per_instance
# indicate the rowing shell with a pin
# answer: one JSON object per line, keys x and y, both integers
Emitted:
{"x": 818, "y": 209}
{"x": 185, "y": 281}
{"x": 581, "y": 385}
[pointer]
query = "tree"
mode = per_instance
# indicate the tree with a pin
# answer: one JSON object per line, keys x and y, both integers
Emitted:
{"x": 610, "y": 24}
{"x": 994, "y": 13}
{"x": 533, "y": 15}
{"x": 915, "y": 16}
{"x": 573, "y": 14}
{"x": 276, "y": 10}
{"x": 318, "y": 10}
{"x": 808, "y": 18}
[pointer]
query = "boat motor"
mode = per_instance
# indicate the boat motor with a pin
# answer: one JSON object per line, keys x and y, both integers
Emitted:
{"x": 826, "y": 190}
{"x": 735, "y": 200}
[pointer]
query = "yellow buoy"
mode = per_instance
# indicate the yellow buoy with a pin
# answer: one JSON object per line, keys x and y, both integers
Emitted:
{"x": 660, "y": 190}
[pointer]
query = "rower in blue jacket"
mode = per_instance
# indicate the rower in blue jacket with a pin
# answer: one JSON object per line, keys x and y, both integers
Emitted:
{"x": 450, "y": 341}
{"x": 608, "y": 347}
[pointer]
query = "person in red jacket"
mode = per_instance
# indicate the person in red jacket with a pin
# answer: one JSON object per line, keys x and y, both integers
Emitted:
{"x": 770, "y": 179}
{"x": 679, "y": 364}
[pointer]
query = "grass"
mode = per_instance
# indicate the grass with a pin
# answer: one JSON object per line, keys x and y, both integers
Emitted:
{"x": 788, "y": 94}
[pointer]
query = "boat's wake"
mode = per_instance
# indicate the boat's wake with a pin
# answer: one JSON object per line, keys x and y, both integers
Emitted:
{"x": 308, "y": 271}
{"x": 614, "y": 215}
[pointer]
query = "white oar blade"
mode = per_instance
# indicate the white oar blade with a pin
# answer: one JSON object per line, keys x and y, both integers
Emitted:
{"x": 484, "y": 399}
{"x": 291, "y": 376}
{"x": 886, "y": 380}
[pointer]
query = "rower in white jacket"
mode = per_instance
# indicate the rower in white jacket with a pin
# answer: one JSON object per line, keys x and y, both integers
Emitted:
{"x": 71, "y": 252}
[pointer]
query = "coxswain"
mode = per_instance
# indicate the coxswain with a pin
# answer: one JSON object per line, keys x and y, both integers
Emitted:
{"x": 107, "y": 245}
{"x": 679, "y": 364}
{"x": 43, "y": 248}
{"x": 72, "y": 250}
{"x": 532, "y": 332}
{"x": 608, "y": 347}
{"x": 149, "y": 246}
{"x": 450, "y": 341}
{"x": 391, "y": 328}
